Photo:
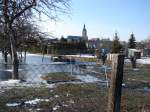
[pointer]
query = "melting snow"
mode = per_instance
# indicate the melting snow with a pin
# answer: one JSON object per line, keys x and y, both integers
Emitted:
{"x": 34, "y": 102}
{"x": 30, "y": 54}
{"x": 56, "y": 107}
{"x": 88, "y": 78}
{"x": 31, "y": 102}
{"x": 56, "y": 96}
{"x": 12, "y": 104}
{"x": 9, "y": 82}
{"x": 83, "y": 56}
{"x": 143, "y": 60}
{"x": 6, "y": 85}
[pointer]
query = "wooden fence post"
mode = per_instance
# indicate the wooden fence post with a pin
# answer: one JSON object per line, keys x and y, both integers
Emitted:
{"x": 114, "y": 97}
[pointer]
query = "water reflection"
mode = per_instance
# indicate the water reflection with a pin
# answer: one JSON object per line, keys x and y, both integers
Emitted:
{"x": 34, "y": 68}
{"x": 33, "y": 72}
{"x": 5, "y": 72}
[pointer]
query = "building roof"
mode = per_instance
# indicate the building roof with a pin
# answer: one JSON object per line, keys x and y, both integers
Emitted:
{"x": 94, "y": 39}
{"x": 74, "y": 37}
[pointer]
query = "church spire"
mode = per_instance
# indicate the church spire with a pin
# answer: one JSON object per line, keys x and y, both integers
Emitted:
{"x": 84, "y": 27}
{"x": 84, "y": 33}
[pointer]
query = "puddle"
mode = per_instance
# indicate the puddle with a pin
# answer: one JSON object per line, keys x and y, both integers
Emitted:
{"x": 146, "y": 89}
{"x": 5, "y": 75}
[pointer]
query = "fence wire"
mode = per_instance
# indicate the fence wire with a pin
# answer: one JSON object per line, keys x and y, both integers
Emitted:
{"x": 67, "y": 87}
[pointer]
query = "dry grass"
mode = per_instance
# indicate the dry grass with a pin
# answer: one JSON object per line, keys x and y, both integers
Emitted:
{"x": 137, "y": 79}
{"x": 73, "y": 98}
{"x": 59, "y": 77}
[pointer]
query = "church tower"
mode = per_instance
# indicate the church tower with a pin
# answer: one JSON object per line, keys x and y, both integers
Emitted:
{"x": 84, "y": 34}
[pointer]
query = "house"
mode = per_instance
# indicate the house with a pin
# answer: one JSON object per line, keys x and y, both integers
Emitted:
{"x": 134, "y": 52}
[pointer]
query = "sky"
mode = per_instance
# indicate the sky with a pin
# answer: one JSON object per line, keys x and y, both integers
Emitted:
{"x": 103, "y": 18}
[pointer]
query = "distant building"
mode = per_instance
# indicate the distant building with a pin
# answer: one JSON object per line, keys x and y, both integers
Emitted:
{"x": 134, "y": 53}
{"x": 84, "y": 37}
{"x": 140, "y": 45}
{"x": 106, "y": 44}
{"x": 144, "y": 47}
{"x": 94, "y": 43}
{"x": 74, "y": 38}
{"x": 49, "y": 41}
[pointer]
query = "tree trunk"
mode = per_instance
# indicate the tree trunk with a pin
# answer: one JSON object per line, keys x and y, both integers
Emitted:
{"x": 15, "y": 62}
{"x": 25, "y": 53}
{"x": 10, "y": 34}
{"x": 5, "y": 56}
{"x": 21, "y": 55}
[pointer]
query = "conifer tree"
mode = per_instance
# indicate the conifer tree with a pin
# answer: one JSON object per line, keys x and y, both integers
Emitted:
{"x": 132, "y": 45}
{"x": 116, "y": 46}
{"x": 132, "y": 42}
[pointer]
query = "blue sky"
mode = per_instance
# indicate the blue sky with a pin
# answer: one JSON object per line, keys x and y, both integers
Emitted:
{"x": 103, "y": 18}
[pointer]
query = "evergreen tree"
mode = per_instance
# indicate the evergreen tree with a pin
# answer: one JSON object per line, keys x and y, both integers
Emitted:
{"x": 132, "y": 42}
{"x": 132, "y": 45}
{"x": 116, "y": 46}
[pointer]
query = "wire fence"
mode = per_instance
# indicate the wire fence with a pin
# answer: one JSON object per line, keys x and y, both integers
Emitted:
{"x": 71, "y": 87}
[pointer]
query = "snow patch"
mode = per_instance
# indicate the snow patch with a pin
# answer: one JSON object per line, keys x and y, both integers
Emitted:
{"x": 30, "y": 102}
{"x": 56, "y": 107}
{"x": 34, "y": 102}
{"x": 136, "y": 69}
{"x": 12, "y": 104}
{"x": 10, "y": 70}
{"x": 124, "y": 85}
{"x": 11, "y": 81}
{"x": 7, "y": 85}
{"x": 83, "y": 56}
{"x": 56, "y": 96}
{"x": 143, "y": 60}
{"x": 88, "y": 78}
{"x": 30, "y": 54}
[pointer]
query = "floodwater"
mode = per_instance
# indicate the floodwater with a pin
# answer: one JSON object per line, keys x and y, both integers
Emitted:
{"x": 37, "y": 66}
{"x": 33, "y": 68}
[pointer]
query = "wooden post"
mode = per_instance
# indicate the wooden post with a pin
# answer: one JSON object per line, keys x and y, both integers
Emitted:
{"x": 114, "y": 98}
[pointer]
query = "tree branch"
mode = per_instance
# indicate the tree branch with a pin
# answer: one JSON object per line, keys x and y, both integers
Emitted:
{"x": 21, "y": 12}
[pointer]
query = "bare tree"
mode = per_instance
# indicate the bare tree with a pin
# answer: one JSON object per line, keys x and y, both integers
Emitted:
{"x": 11, "y": 10}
